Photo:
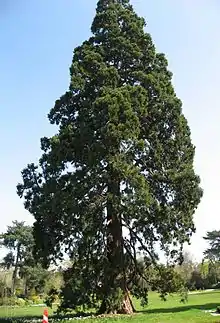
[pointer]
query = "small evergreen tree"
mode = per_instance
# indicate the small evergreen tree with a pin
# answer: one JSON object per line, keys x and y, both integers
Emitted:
{"x": 118, "y": 176}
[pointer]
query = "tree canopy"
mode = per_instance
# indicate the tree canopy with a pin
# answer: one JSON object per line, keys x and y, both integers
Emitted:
{"x": 118, "y": 177}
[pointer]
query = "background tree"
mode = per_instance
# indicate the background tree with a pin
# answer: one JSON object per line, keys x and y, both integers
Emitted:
{"x": 213, "y": 276}
{"x": 213, "y": 250}
{"x": 5, "y": 285}
{"x": 202, "y": 275}
{"x": 118, "y": 176}
{"x": 186, "y": 268}
{"x": 212, "y": 255}
{"x": 196, "y": 280}
{"x": 18, "y": 239}
{"x": 35, "y": 278}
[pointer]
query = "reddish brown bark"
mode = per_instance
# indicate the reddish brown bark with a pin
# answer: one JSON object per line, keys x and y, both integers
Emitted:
{"x": 126, "y": 307}
{"x": 115, "y": 274}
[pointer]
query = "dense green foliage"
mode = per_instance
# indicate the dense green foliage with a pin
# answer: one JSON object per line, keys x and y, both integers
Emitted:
{"x": 118, "y": 177}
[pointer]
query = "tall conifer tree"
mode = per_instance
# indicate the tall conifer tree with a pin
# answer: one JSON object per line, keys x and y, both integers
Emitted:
{"x": 118, "y": 176}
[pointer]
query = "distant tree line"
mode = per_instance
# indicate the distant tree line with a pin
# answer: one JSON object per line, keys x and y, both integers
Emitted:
{"x": 199, "y": 276}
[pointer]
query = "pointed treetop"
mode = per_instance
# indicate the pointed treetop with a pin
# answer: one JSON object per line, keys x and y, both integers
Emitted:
{"x": 111, "y": 14}
{"x": 105, "y": 3}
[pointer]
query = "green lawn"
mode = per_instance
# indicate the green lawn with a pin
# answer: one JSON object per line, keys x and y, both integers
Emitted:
{"x": 157, "y": 311}
{"x": 21, "y": 311}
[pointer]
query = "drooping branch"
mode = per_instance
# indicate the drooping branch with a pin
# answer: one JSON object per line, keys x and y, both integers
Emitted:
{"x": 136, "y": 265}
{"x": 141, "y": 242}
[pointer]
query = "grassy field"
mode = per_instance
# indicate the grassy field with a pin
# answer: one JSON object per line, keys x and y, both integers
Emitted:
{"x": 157, "y": 311}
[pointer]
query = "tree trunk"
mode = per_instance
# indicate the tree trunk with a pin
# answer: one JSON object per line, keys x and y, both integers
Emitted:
{"x": 126, "y": 306}
{"x": 15, "y": 272}
{"x": 25, "y": 287}
{"x": 115, "y": 279}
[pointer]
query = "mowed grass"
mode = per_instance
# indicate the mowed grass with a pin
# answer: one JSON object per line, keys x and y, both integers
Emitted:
{"x": 36, "y": 311}
{"x": 157, "y": 311}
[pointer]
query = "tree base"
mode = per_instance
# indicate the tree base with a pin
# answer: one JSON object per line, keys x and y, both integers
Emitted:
{"x": 125, "y": 308}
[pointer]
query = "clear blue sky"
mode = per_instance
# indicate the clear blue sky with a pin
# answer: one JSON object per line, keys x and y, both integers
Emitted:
{"x": 37, "y": 40}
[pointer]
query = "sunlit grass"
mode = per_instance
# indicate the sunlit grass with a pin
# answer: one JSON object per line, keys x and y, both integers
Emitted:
{"x": 157, "y": 311}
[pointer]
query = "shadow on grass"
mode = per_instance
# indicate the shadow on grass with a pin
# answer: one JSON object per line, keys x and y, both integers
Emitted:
{"x": 203, "y": 307}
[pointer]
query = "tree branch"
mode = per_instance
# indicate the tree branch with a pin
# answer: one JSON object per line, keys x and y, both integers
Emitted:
{"x": 141, "y": 243}
{"x": 136, "y": 265}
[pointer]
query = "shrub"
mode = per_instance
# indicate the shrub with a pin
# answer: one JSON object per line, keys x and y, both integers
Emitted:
{"x": 20, "y": 302}
{"x": 36, "y": 299}
{"x": 52, "y": 297}
{"x": 28, "y": 302}
{"x": 8, "y": 301}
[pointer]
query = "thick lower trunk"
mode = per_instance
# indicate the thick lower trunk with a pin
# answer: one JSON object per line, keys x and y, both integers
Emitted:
{"x": 126, "y": 307}
{"x": 116, "y": 296}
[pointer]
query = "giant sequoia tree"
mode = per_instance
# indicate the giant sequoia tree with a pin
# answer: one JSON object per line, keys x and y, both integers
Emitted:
{"x": 118, "y": 176}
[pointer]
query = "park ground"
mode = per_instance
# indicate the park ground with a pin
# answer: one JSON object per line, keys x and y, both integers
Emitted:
{"x": 157, "y": 311}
